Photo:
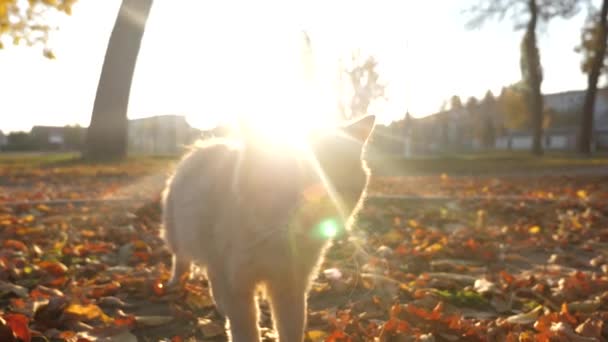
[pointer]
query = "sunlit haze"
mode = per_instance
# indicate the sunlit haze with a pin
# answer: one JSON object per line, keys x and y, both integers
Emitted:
{"x": 212, "y": 61}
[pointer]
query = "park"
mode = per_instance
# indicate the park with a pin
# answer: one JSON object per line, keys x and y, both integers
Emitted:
{"x": 483, "y": 220}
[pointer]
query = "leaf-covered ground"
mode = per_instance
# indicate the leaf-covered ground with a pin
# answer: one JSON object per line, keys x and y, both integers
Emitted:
{"x": 488, "y": 259}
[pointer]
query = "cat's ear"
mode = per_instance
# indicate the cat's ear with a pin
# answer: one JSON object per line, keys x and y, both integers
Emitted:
{"x": 360, "y": 128}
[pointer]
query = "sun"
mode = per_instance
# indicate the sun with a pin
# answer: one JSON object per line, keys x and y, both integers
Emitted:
{"x": 292, "y": 115}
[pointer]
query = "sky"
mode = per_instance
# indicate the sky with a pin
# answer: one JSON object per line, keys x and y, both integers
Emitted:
{"x": 210, "y": 60}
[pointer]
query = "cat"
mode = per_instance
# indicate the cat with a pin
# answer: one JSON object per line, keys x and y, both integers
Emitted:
{"x": 260, "y": 216}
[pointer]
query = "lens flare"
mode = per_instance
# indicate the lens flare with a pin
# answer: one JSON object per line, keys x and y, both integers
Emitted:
{"x": 329, "y": 228}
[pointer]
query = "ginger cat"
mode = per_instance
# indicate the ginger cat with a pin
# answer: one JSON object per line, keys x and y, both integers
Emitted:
{"x": 256, "y": 216}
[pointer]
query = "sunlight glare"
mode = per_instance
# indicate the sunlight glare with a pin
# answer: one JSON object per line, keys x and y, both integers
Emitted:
{"x": 329, "y": 228}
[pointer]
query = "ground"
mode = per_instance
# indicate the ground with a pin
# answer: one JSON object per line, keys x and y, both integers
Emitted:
{"x": 437, "y": 255}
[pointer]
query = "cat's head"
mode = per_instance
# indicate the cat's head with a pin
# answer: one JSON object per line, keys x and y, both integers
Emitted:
{"x": 340, "y": 155}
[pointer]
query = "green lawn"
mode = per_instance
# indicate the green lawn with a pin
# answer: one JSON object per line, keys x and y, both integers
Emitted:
{"x": 486, "y": 163}
{"x": 457, "y": 164}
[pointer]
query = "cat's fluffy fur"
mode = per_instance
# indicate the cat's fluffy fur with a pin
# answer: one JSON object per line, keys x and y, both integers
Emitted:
{"x": 250, "y": 215}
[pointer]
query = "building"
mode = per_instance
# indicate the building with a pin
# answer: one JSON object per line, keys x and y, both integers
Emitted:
{"x": 48, "y": 137}
{"x": 55, "y": 138}
{"x": 3, "y": 140}
{"x": 161, "y": 135}
{"x": 458, "y": 130}
{"x": 571, "y": 102}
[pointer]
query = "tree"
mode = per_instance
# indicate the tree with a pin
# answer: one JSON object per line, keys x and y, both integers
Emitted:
{"x": 25, "y": 21}
{"x": 107, "y": 133}
{"x": 455, "y": 102}
{"x": 513, "y": 107}
{"x": 471, "y": 104}
{"x": 74, "y": 136}
{"x": 593, "y": 47}
{"x": 19, "y": 141}
{"x": 483, "y": 125}
{"x": 532, "y": 76}
{"x": 488, "y": 133}
{"x": 527, "y": 14}
{"x": 366, "y": 85}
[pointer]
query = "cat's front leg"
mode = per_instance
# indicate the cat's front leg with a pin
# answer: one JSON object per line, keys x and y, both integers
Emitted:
{"x": 235, "y": 301}
{"x": 288, "y": 302}
{"x": 180, "y": 267}
{"x": 242, "y": 313}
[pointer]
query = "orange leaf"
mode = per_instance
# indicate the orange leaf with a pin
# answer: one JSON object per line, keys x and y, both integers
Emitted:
{"x": 159, "y": 288}
{"x": 507, "y": 277}
{"x": 437, "y": 311}
{"x": 422, "y": 313}
{"x": 395, "y": 310}
{"x": 19, "y": 324}
{"x": 390, "y": 325}
{"x": 57, "y": 282}
{"x": 53, "y": 267}
{"x": 128, "y": 321}
{"x": 566, "y": 314}
{"x": 87, "y": 312}
{"x": 15, "y": 244}
{"x": 403, "y": 326}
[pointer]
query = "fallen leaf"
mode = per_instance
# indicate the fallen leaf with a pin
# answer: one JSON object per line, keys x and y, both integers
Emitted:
{"x": 87, "y": 312}
{"x": 209, "y": 328}
{"x": 527, "y": 317}
{"x": 19, "y": 324}
{"x": 153, "y": 320}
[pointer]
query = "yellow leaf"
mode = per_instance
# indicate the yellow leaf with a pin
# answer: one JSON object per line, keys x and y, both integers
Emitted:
{"x": 582, "y": 194}
{"x": 48, "y": 53}
{"x": 43, "y": 207}
{"x": 316, "y": 335}
{"x": 88, "y": 312}
{"x": 413, "y": 223}
{"x": 199, "y": 301}
{"x": 436, "y": 247}
{"x": 576, "y": 223}
{"x": 444, "y": 177}
{"x": 392, "y": 237}
{"x": 534, "y": 230}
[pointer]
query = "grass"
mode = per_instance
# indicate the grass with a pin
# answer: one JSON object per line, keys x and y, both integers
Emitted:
{"x": 485, "y": 163}
{"x": 35, "y": 158}
{"x": 73, "y": 164}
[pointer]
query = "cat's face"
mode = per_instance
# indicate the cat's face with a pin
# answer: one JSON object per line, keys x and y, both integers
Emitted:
{"x": 339, "y": 154}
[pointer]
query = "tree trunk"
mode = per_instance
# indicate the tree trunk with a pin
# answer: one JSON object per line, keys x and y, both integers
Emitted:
{"x": 532, "y": 75}
{"x": 107, "y": 133}
{"x": 585, "y": 133}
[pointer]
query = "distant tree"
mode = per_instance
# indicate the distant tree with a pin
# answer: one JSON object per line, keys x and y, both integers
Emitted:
{"x": 366, "y": 85}
{"x": 107, "y": 133}
{"x": 74, "y": 136}
{"x": 488, "y": 134}
{"x": 593, "y": 48}
{"x": 483, "y": 124}
{"x": 455, "y": 102}
{"x": 27, "y": 21}
{"x": 526, "y": 14}
{"x": 18, "y": 141}
{"x": 513, "y": 107}
{"x": 444, "y": 125}
{"x": 471, "y": 104}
